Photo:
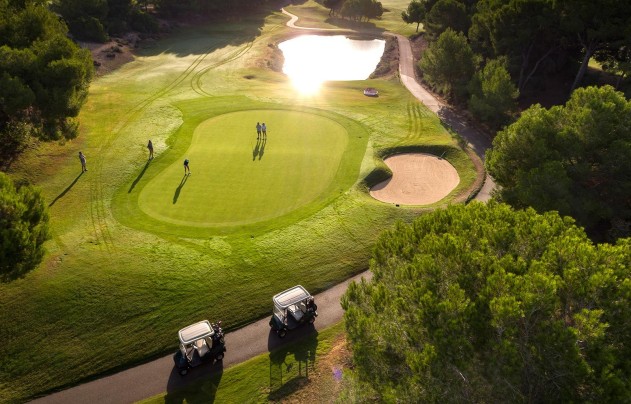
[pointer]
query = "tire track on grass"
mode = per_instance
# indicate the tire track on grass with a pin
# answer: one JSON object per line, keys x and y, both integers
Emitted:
{"x": 196, "y": 80}
{"x": 98, "y": 211}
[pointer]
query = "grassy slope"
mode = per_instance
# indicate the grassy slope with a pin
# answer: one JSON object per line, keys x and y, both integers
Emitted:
{"x": 106, "y": 288}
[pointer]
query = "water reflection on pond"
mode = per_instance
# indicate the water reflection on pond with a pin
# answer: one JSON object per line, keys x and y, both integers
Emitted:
{"x": 312, "y": 59}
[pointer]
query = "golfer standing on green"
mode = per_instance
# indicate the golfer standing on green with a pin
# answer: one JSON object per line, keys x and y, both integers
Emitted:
{"x": 264, "y": 130}
{"x": 82, "y": 159}
{"x": 186, "y": 167}
{"x": 258, "y": 130}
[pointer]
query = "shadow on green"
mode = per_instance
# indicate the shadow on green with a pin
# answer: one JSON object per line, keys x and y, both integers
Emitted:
{"x": 179, "y": 189}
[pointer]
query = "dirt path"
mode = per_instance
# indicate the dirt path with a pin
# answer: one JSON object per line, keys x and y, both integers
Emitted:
{"x": 158, "y": 376}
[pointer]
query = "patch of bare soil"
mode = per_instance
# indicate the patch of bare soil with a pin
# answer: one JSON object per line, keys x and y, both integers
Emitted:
{"x": 111, "y": 55}
{"x": 274, "y": 58}
{"x": 325, "y": 381}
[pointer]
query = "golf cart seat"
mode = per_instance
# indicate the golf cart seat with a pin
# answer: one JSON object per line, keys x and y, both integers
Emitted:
{"x": 297, "y": 310}
{"x": 202, "y": 347}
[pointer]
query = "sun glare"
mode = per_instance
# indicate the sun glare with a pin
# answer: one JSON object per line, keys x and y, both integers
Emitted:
{"x": 310, "y": 60}
{"x": 306, "y": 85}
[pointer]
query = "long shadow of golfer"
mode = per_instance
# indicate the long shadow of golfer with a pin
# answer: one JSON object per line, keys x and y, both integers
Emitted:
{"x": 65, "y": 191}
{"x": 255, "y": 152}
{"x": 179, "y": 188}
{"x": 262, "y": 149}
{"x": 139, "y": 177}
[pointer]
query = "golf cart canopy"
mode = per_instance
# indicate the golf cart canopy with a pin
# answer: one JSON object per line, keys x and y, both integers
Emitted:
{"x": 290, "y": 296}
{"x": 196, "y": 331}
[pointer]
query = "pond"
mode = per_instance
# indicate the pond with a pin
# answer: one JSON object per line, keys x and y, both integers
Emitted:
{"x": 311, "y": 60}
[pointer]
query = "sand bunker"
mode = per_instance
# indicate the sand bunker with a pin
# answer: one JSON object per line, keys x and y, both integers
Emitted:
{"x": 417, "y": 179}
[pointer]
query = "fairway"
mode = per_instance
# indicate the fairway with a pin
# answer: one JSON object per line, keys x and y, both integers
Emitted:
{"x": 237, "y": 179}
{"x": 138, "y": 250}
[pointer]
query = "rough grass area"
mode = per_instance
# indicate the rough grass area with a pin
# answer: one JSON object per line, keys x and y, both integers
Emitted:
{"x": 117, "y": 282}
{"x": 308, "y": 370}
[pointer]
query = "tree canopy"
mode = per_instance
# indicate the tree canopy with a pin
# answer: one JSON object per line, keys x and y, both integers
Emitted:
{"x": 493, "y": 94}
{"x": 23, "y": 228}
{"x": 448, "y": 64}
{"x": 483, "y": 303}
{"x": 446, "y": 14}
{"x": 415, "y": 13}
{"x": 575, "y": 159}
{"x": 44, "y": 76}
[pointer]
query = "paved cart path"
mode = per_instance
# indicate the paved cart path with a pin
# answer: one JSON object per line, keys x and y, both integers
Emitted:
{"x": 158, "y": 376}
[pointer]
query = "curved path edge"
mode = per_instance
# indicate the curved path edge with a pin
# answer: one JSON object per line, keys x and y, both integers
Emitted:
{"x": 158, "y": 376}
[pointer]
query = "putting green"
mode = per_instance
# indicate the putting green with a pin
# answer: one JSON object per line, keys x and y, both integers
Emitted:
{"x": 236, "y": 179}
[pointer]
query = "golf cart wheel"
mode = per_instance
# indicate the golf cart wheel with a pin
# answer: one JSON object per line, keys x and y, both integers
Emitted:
{"x": 219, "y": 356}
{"x": 312, "y": 320}
{"x": 183, "y": 372}
{"x": 281, "y": 333}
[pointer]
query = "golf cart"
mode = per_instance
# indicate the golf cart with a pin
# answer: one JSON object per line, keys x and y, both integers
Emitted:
{"x": 292, "y": 308}
{"x": 199, "y": 343}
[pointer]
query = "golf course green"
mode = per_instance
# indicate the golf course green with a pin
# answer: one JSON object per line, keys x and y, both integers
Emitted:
{"x": 139, "y": 251}
{"x": 239, "y": 179}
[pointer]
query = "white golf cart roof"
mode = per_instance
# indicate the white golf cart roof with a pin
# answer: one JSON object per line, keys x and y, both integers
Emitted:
{"x": 290, "y": 296}
{"x": 196, "y": 331}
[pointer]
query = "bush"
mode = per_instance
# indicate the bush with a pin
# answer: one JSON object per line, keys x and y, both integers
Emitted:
{"x": 88, "y": 28}
{"x": 493, "y": 94}
{"x": 143, "y": 22}
{"x": 23, "y": 228}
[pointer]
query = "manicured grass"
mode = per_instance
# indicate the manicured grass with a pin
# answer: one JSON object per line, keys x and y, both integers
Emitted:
{"x": 116, "y": 283}
{"x": 266, "y": 377}
{"x": 302, "y": 163}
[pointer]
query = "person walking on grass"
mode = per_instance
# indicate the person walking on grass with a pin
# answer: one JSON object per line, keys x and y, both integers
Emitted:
{"x": 187, "y": 169}
{"x": 150, "y": 147}
{"x": 264, "y": 130}
{"x": 258, "y": 131}
{"x": 82, "y": 159}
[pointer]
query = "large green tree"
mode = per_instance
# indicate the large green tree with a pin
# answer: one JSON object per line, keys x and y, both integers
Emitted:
{"x": 414, "y": 14}
{"x": 482, "y": 303}
{"x": 448, "y": 64}
{"x": 526, "y": 32}
{"x": 575, "y": 159}
{"x": 44, "y": 76}
{"x": 23, "y": 228}
{"x": 87, "y": 19}
{"x": 595, "y": 25}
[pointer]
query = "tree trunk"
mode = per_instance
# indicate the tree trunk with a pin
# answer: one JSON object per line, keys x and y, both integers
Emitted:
{"x": 589, "y": 51}
{"x": 534, "y": 69}
{"x": 524, "y": 65}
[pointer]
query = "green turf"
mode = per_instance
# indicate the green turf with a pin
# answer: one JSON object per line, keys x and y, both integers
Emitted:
{"x": 237, "y": 179}
{"x": 116, "y": 283}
